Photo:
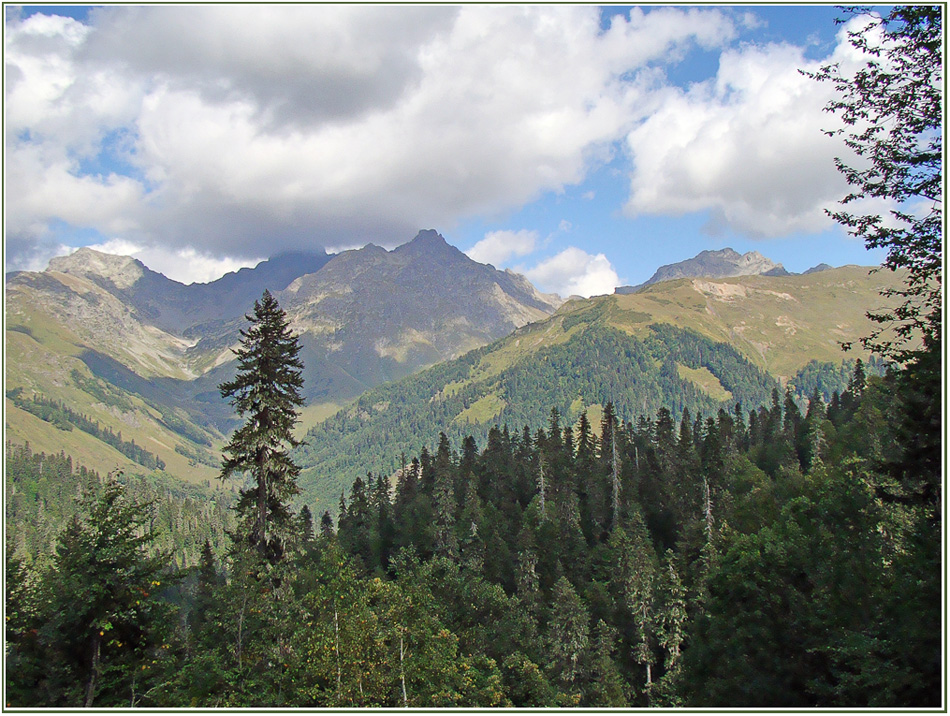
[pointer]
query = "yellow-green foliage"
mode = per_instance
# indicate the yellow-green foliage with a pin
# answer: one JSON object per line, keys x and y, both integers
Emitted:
{"x": 482, "y": 410}
{"x": 778, "y": 322}
{"x": 705, "y": 380}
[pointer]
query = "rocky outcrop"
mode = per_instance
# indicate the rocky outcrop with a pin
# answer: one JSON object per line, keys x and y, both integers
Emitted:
{"x": 713, "y": 264}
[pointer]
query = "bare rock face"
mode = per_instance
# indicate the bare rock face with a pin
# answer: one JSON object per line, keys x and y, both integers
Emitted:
{"x": 372, "y": 315}
{"x": 364, "y": 316}
{"x": 713, "y": 264}
{"x": 122, "y": 271}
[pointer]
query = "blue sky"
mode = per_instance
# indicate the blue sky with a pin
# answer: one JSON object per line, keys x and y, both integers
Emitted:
{"x": 581, "y": 146}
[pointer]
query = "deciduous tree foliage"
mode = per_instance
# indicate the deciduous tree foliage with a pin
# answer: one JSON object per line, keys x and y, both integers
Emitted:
{"x": 894, "y": 110}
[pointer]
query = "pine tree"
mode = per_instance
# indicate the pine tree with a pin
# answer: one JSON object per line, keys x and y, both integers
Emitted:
{"x": 326, "y": 525}
{"x": 305, "y": 522}
{"x": 671, "y": 632}
{"x": 100, "y": 615}
{"x": 205, "y": 592}
{"x": 24, "y": 662}
{"x": 606, "y": 686}
{"x": 568, "y": 634}
{"x": 446, "y": 541}
{"x": 266, "y": 393}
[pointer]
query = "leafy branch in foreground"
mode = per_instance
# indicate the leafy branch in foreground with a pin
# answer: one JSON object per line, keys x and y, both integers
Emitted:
{"x": 893, "y": 108}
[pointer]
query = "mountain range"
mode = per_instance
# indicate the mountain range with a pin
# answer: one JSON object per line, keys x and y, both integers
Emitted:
{"x": 118, "y": 365}
{"x": 130, "y": 348}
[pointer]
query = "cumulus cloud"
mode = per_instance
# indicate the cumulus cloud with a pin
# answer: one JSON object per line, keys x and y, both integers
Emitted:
{"x": 499, "y": 246}
{"x": 575, "y": 272}
{"x": 298, "y": 65}
{"x": 746, "y": 145}
{"x": 191, "y": 266}
{"x": 184, "y": 265}
{"x": 242, "y": 130}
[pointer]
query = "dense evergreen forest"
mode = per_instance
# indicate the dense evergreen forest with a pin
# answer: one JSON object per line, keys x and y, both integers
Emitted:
{"x": 597, "y": 365}
{"x": 774, "y": 557}
{"x": 43, "y": 494}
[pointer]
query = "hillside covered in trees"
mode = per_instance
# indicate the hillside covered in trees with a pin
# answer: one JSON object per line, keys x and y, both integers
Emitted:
{"x": 766, "y": 558}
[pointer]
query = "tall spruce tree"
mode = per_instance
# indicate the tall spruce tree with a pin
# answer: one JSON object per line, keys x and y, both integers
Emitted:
{"x": 266, "y": 394}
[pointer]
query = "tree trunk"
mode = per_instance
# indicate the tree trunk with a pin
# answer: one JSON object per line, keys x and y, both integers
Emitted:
{"x": 260, "y": 526}
{"x": 615, "y": 474}
{"x": 339, "y": 668}
{"x": 402, "y": 674}
{"x": 93, "y": 671}
{"x": 542, "y": 489}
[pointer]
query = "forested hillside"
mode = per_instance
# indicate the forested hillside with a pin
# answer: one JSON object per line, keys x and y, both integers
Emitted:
{"x": 585, "y": 365}
{"x": 42, "y": 492}
{"x": 566, "y": 566}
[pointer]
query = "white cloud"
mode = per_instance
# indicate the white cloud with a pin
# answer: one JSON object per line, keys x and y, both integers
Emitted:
{"x": 229, "y": 128}
{"x": 118, "y": 247}
{"x": 191, "y": 266}
{"x": 747, "y": 145}
{"x": 35, "y": 257}
{"x": 575, "y": 272}
{"x": 182, "y": 265}
{"x": 499, "y": 246}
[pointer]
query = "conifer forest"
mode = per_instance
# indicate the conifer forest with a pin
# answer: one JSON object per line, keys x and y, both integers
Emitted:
{"x": 780, "y": 554}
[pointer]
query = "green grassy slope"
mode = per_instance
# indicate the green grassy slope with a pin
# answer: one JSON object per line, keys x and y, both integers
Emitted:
{"x": 46, "y": 364}
{"x": 779, "y": 323}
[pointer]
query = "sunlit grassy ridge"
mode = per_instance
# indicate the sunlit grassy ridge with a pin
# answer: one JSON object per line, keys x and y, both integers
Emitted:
{"x": 696, "y": 343}
{"x": 777, "y": 324}
{"x": 46, "y": 361}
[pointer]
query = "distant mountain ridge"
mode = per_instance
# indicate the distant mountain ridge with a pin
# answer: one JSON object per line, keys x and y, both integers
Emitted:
{"x": 177, "y": 307}
{"x": 365, "y": 315}
{"x": 713, "y": 264}
{"x": 140, "y": 353}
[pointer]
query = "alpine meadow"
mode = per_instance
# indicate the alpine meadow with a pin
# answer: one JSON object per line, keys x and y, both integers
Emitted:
{"x": 366, "y": 471}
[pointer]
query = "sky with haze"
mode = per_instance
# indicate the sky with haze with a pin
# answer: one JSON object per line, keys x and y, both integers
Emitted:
{"x": 581, "y": 146}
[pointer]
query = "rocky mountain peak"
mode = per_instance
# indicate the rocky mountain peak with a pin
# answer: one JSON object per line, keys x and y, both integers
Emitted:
{"x": 720, "y": 263}
{"x": 429, "y": 236}
{"x": 427, "y": 242}
{"x": 122, "y": 271}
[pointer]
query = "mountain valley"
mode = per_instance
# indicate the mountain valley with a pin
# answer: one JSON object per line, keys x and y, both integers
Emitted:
{"x": 108, "y": 340}
{"x": 131, "y": 349}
